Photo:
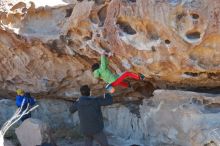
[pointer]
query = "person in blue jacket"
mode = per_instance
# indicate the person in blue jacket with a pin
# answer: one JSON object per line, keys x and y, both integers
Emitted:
{"x": 25, "y": 99}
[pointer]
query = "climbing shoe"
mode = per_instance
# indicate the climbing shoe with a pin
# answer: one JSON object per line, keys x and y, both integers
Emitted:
{"x": 110, "y": 89}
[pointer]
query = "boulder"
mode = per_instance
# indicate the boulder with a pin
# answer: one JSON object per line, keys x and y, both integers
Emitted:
{"x": 170, "y": 117}
{"x": 8, "y": 143}
{"x": 33, "y": 132}
{"x": 50, "y": 49}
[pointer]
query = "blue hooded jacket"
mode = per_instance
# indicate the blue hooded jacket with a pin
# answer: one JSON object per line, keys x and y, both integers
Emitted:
{"x": 19, "y": 100}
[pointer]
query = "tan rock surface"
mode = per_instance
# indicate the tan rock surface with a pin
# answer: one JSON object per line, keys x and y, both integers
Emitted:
{"x": 49, "y": 49}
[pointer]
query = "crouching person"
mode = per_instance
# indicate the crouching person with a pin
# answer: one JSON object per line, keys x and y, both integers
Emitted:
{"x": 90, "y": 115}
{"x": 23, "y": 100}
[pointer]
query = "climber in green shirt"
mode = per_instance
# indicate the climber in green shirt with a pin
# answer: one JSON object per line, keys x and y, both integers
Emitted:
{"x": 103, "y": 72}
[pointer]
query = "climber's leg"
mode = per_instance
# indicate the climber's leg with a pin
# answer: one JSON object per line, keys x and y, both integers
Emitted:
{"x": 26, "y": 117}
{"x": 119, "y": 81}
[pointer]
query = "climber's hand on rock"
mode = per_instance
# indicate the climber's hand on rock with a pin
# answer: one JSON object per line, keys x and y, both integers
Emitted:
{"x": 103, "y": 52}
{"x": 110, "y": 54}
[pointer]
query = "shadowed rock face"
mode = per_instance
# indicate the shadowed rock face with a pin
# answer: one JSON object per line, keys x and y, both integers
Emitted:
{"x": 169, "y": 118}
{"x": 49, "y": 48}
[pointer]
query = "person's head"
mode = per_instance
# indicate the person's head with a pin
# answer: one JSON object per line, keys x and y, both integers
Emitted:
{"x": 95, "y": 67}
{"x": 85, "y": 90}
{"x": 20, "y": 92}
{"x": 27, "y": 94}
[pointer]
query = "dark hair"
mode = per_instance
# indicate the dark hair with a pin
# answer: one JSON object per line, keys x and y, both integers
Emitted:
{"x": 27, "y": 94}
{"x": 85, "y": 90}
{"x": 95, "y": 67}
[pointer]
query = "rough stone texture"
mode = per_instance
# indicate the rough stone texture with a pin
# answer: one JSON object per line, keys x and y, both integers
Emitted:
{"x": 7, "y": 110}
{"x": 48, "y": 47}
{"x": 48, "y": 112}
{"x": 1, "y": 139}
{"x": 170, "y": 117}
{"x": 8, "y": 143}
{"x": 33, "y": 132}
{"x": 175, "y": 118}
{"x": 54, "y": 113}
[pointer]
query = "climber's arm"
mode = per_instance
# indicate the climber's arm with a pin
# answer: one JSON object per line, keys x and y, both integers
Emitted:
{"x": 74, "y": 107}
{"x": 96, "y": 73}
{"x": 104, "y": 100}
{"x": 104, "y": 62}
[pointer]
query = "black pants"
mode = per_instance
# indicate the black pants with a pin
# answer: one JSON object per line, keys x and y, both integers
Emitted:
{"x": 100, "y": 138}
{"x": 25, "y": 117}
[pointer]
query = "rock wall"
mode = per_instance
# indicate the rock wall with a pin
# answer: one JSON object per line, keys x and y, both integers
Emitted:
{"x": 48, "y": 47}
{"x": 175, "y": 118}
{"x": 170, "y": 117}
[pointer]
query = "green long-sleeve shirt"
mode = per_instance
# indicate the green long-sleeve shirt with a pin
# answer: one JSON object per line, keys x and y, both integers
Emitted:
{"x": 103, "y": 72}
